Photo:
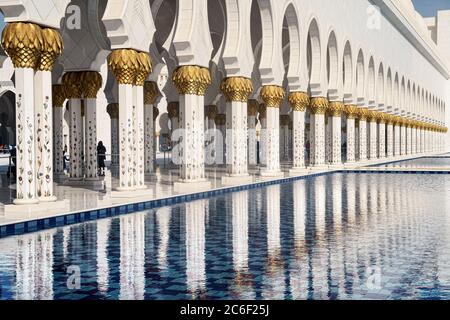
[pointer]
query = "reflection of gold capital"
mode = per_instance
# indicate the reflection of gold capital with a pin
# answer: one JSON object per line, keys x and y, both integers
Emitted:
{"x": 252, "y": 110}
{"x": 91, "y": 82}
{"x": 124, "y": 65}
{"x": 272, "y": 96}
{"x": 23, "y": 43}
{"x": 151, "y": 92}
{"x": 336, "y": 108}
{"x": 211, "y": 112}
{"x": 237, "y": 89}
{"x": 59, "y": 95}
{"x": 191, "y": 80}
{"x": 318, "y": 105}
{"x": 299, "y": 101}
{"x": 173, "y": 108}
{"x": 144, "y": 68}
{"x": 51, "y": 49}
{"x": 113, "y": 110}
{"x": 72, "y": 84}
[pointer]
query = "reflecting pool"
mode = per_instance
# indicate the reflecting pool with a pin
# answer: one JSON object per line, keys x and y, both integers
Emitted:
{"x": 426, "y": 162}
{"x": 340, "y": 236}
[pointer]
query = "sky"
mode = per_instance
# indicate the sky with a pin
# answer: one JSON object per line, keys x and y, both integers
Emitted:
{"x": 429, "y": 8}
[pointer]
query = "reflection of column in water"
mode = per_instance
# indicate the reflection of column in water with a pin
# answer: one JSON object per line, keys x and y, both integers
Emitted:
{"x": 66, "y": 238}
{"x": 299, "y": 268}
{"x": 273, "y": 287}
{"x": 404, "y": 214}
{"x": 381, "y": 222}
{"x": 337, "y": 254}
{"x": 319, "y": 258}
{"x": 259, "y": 204}
{"x": 195, "y": 247}
{"x": 389, "y": 218}
{"x": 163, "y": 216}
{"x": 351, "y": 198}
{"x": 362, "y": 194}
{"x": 132, "y": 257}
{"x": 363, "y": 224}
{"x": 34, "y": 268}
{"x": 443, "y": 253}
{"x": 240, "y": 244}
{"x": 349, "y": 245}
{"x": 240, "y": 230}
{"x": 103, "y": 228}
{"x": 396, "y": 216}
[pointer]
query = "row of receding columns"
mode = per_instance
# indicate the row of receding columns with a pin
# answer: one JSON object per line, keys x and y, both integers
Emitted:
{"x": 371, "y": 134}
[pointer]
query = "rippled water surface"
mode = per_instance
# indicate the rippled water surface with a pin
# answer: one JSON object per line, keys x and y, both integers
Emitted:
{"x": 342, "y": 236}
{"x": 440, "y": 162}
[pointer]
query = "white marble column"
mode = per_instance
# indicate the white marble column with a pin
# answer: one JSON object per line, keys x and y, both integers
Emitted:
{"x": 220, "y": 122}
{"x": 59, "y": 97}
{"x": 139, "y": 137}
{"x": 403, "y": 138}
{"x": 263, "y": 134}
{"x": 139, "y": 120}
{"x": 91, "y": 83}
{"x": 126, "y": 137}
{"x": 414, "y": 138}
{"x": 237, "y": 91}
{"x": 336, "y": 109}
{"x": 272, "y": 97}
{"x": 72, "y": 83}
{"x": 390, "y": 136}
{"x": 44, "y": 135}
{"x": 211, "y": 151}
{"x": 351, "y": 112}
{"x": 156, "y": 135}
{"x": 25, "y": 58}
{"x": 373, "y": 135}
{"x": 52, "y": 48}
{"x": 422, "y": 140}
{"x": 284, "y": 137}
{"x": 362, "y": 114}
{"x": 409, "y": 138}
{"x": 318, "y": 108}
{"x": 252, "y": 112}
{"x": 124, "y": 70}
{"x": 151, "y": 92}
{"x": 397, "y": 144}
{"x": 299, "y": 101}
{"x": 192, "y": 82}
{"x": 173, "y": 110}
{"x": 382, "y": 136}
{"x": 113, "y": 111}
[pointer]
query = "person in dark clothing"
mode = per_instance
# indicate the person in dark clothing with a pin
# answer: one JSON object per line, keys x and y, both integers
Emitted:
{"x": 65, "y": 158}
{"x": 13, "y": 155}
{"x": 101, "y": 156}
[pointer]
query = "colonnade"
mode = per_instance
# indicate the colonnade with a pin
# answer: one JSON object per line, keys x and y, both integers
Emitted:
{"x": 362, "y": 131}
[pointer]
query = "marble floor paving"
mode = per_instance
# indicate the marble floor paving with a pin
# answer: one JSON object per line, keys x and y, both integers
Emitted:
{"x": 72, "y": 199}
